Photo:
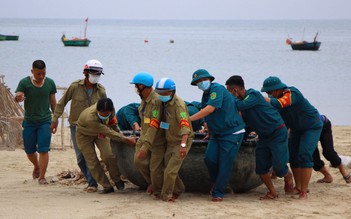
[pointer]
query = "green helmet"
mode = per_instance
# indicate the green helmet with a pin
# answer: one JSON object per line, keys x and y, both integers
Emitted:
{"x": 272, "y": 83}
{"x": 201, "y": 73}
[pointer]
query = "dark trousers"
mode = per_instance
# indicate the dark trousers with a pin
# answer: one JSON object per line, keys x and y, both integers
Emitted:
{"x": 326, "y": 140}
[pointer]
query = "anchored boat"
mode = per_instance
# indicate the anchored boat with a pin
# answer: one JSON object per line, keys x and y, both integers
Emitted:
{"x": 304, "y": 45}
{"x": 8, "y": 37}
{"x": 77, "y": 41}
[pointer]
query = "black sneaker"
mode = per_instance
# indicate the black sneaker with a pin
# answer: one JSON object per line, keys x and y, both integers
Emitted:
{"x": 107, "y": 190}
{"x": 120, "y": 185}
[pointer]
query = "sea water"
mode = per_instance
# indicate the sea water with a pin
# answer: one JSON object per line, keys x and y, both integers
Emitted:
{"x": 250, "y": 48}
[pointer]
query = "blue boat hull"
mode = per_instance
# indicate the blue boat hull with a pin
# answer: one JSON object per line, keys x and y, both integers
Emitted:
{"x": 306, "y": 46}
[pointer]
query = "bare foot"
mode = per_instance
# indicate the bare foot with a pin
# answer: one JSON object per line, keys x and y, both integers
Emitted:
{"x": 35, "y": 173}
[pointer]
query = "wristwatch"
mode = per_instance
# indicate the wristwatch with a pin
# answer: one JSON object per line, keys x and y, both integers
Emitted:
{"x": 183, "y": 145}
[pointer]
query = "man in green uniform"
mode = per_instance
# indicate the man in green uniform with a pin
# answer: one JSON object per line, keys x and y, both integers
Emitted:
{"x": 128, "y": 117}
{"x": 305, "y": 128}
{"x": 96, "y": 126}
{"x": 38, "y": 93}
{"x": 272, "y": 148}
{"x": 150, "y": 148}
{"x": 179, "y": 137}
{"x": 225, "y": 126}
{"x": 82, "y": 94}
{"x": 193, "y": 108}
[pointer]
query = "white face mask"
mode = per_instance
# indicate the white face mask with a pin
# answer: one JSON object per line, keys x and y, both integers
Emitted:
{"x": 94, "y": 78}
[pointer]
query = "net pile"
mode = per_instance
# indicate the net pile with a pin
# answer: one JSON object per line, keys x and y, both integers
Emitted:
{"x": 11, "y": 116}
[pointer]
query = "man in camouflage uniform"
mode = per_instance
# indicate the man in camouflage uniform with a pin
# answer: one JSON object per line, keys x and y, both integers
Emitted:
{"x": 179, "y": 137}
{"x": 82, "y": 94}
{"x": 96, "y": 126}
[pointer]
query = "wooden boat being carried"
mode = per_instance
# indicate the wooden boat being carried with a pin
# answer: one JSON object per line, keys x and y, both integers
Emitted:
{"x": 77, "y": 41}
{"x": 8, "y": 37}
{"x": 304, "y": 45}
{"x": 194, "y": 171}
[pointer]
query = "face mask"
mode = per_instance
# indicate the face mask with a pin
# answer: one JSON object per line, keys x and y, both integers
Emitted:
{"x": 270, "y": 96}
{"x": 164, "y": 98}
{"x": 103, "y": 117}
{"x": 204, "y": 85}
{"x": 94, "y": 78}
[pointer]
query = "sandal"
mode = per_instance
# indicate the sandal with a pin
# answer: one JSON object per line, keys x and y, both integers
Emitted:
{"x": 171, "y": 199}
{"x": 91, "y": 189}
{"x": 217, "y": 199}
{"x": 303, "y": 195}
{"x": 43, "y": 181}
{"x": 157, "y": 197}
{"x": 347, "y": 178}
{"x": 326, "y": 181}
{"x": 269, "y": 196}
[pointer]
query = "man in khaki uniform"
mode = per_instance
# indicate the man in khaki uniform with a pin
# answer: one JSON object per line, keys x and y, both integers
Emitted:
{"x": 82, "y": 94}
{"x": 179, "y": 137}
{"x": 96, "y": 126}
{"x": 150, "y": 147}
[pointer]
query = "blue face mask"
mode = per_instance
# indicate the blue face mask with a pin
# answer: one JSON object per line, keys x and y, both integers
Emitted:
{"x": 103, "y": 117}
{"x": 165, "y": 98}
{"x": 204, "y": 85}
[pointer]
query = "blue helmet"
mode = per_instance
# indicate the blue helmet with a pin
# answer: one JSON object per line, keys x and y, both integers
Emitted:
{"x": 164, "y": 85}
{"x": 143, "y": 78}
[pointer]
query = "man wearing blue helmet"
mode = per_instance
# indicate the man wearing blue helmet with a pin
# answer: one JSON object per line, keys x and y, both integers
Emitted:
{"x": 150, "y": 148}
{"x": 179, "y": 137}
{"x": 225, "y": 127}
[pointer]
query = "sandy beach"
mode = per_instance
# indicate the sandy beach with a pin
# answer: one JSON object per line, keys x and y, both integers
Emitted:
{"x": 23, "y": 197}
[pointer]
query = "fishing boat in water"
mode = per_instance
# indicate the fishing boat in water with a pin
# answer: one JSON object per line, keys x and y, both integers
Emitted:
{"x": 304, "y": 45}
{"x": 77, "y": 41}
{"x": 194, "y": 172}
{"x": 8, "y": 37}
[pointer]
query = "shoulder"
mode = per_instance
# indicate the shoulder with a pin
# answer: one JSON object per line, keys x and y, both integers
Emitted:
{"x": 179, "y": 102}
{"x": 100, "y": 86}
{"x": 253, "y": 92}
{"x": 50, "y": 80}
{"x": 25, "y": 79}
{"x": 77, "y": 82}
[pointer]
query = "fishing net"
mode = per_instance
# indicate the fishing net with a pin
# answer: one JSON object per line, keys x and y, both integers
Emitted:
{"x": 11, "y": 116}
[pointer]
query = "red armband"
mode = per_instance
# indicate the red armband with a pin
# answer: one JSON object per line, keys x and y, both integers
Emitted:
{"x": 184, "y": 122}
{"x": 285, "y": 100}
{"x": 154, "y": 123}
{"x": 112, "y": 121}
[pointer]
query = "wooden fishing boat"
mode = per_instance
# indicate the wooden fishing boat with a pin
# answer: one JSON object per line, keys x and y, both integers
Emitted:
{"x": 194, "y": 172}
{"x": 304, "y": 45}
{"x": 8, "y": 37}
{"x": 77, "y": 41}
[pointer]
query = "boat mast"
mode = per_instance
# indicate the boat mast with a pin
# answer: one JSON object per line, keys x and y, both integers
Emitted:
{"x": 86, "y": 27}
{"x": 315, "y": 38}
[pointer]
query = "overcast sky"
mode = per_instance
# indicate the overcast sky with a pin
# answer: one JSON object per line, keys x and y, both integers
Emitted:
{"x": 177, "y": 9}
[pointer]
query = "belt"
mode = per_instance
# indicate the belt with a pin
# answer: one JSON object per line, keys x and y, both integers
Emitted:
{"x": 280, "y": 127}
